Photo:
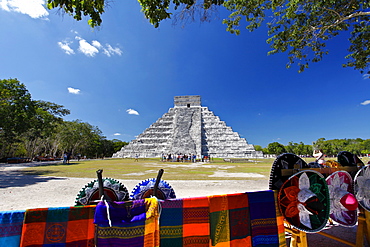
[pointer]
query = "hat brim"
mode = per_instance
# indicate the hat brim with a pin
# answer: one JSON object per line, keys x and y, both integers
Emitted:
{"x": 361, "y": 190}
{"x": 311, "y": 214}
{"x": 145, "y": 189}
{"x": 339, "y": 183}
{"x": 284, "y": 161}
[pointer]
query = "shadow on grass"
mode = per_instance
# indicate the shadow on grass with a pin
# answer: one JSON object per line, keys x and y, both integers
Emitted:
{"x": 23, "y": 178}
{"x": 56, "y": 164}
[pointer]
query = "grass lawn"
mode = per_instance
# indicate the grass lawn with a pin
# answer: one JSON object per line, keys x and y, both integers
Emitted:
{"x": 148, "y": 168}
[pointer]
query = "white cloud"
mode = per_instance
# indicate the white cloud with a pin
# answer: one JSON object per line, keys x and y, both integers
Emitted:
{"x": 64, "y": 45}
{"x": 117, "y": 134}
{"x": 366, "y": 102}
{"x": 73, "y": 90}
{"x": 96, "y": 44}
{"x": 132, "y": 112}
{"x": 33, "y": 8}
{"x": 86, "y": 48}
{"x": 109, "y": 51}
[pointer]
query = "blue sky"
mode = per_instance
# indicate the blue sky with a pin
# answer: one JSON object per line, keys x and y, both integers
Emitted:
{"x": 123, "y": 76}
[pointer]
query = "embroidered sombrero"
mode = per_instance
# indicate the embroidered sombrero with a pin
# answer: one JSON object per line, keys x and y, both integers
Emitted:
{"x": 343, "y": 204}
{"x": 145, "y": 189}
{"x": 304, "y": 201}
{"x": 284, "y": 161}
{"x": 362, "y": 187}
{"x": 90, "y": 193}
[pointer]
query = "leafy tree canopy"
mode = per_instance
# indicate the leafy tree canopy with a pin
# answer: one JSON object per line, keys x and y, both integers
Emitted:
{"x": 299, "y": 27}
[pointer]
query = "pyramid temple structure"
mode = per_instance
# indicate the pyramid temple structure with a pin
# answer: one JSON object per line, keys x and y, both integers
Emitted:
{"x": 189, "y": 128}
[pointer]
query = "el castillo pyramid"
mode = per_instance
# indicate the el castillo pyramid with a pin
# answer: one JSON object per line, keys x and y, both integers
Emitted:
{"x": 189, "y": 128}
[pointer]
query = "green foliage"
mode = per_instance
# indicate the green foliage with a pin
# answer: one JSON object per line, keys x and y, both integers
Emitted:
{"x": 33, "y": 127}
{"x": 79, "y": 8}
{"x": 299, "y": 27}
{"x": 333, "y": 147}
{"x": 258, "y": 148}
{"x": 118, "y": 144}
{"x": 16, "y": 108}
{"x": 275, "y": 148}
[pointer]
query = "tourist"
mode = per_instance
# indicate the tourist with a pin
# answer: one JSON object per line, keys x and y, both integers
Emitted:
{"x": 65, "y": 158}
{"x": 320, "y": 157}
{"x": 68, "y": 157}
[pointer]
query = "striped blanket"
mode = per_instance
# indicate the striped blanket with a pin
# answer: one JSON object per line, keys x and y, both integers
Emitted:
{"x": 11, "y": 223}
{"x": 280, "y": 223}
{"x": 263, "y": 219}
{"x": 133, "y": 224}
{"x": 229, "y": 220}
{"x": 185, "y": 222}
{"x": 64, "y": 226}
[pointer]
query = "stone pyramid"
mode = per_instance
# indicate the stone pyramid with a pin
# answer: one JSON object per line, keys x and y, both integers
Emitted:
{"x": 189, "y": 128}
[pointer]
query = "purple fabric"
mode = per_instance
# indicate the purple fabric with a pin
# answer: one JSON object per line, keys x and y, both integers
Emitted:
{"x": 128, "y": 224}
{"x": 120, "y": 213}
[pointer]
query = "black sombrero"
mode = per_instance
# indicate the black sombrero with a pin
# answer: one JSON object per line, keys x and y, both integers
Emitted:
{"x": 284, "y": 161}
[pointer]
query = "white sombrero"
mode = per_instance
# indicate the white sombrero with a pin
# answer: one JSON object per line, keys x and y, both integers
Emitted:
{"x": 362, "y": 187}
{"x": 343, "y": 204}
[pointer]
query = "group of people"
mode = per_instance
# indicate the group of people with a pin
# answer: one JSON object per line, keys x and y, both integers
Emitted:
{"x": 67, "y": 156}
{"x": 184, "y": 158}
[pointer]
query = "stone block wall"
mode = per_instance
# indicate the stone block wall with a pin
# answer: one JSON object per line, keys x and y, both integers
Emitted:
{"x": 189, "y": 128}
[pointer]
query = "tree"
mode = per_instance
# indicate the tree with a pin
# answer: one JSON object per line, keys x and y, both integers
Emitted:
{"x": 25, "y": 123}
{"x": 118, "y": 144}
{"x": 16, "y": 108}
{"x": 44, "y": 122}
{"x": 275, "y": 148}
{"x": 257, "y": 148}
{"x": 299, "y": 27}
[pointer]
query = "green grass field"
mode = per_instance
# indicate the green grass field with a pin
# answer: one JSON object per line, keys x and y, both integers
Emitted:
{"x": 148, "y": 168}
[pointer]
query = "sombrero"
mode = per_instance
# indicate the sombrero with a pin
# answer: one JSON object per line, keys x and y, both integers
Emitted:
{"x": 145, "y": 189}
{"x": 362, "y": 187}
{"x": 343, "y": 204}
{"x": 90, "y": 193}
{"x": 284, "y": 161}
{"x": 304, "y": 201}
{"x": 346, "y": 158}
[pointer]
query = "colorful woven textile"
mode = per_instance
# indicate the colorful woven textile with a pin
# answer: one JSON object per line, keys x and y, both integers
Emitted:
{"x": 171, "y": 223}
{"x": 11, "y": 223}
{"x": 196, "y": 222}
{"x": 65, "y": 226}
{"x": 185, "y": 222}
{"x": 263, "y": 218}
{"x": 133, "y": 224}
{"x": 229, "y": 220}
{"x": 280, "y": 222}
